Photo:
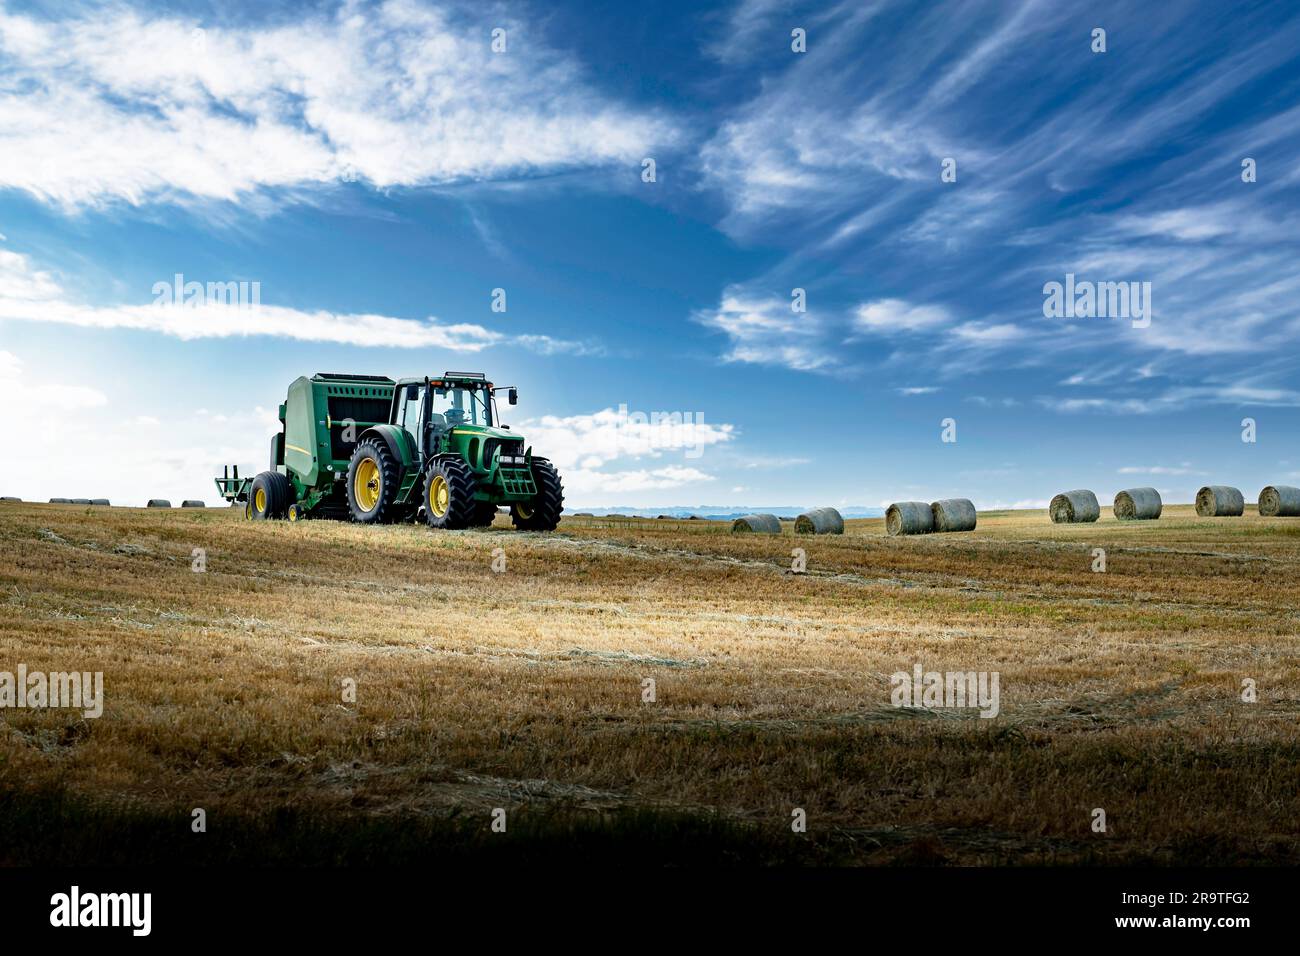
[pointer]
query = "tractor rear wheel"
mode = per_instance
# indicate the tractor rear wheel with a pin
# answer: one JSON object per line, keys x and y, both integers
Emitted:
{"x": 449, "y": 494}
{"x": 270, "y": 496}
{"x": 543, "y": 512}
{"x": 372, "y": 482}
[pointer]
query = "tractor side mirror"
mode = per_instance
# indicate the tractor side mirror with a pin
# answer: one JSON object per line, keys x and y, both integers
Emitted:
{"x": 512, "y": 396}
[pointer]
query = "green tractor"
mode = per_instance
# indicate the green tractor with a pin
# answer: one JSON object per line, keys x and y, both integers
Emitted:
{"x": 376, "y": 451}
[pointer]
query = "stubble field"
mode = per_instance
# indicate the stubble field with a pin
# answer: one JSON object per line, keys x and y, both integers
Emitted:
{"x": 523, "y": 690}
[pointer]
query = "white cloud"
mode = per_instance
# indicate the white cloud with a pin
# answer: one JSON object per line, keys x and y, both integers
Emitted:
{"x": 124, "y": 106}
{"x": 32, "y": 295}
{"x": 34, "y": 403}
{"x": 774, "y": 462}
{"x": 19, "y": 281}
{"x": 591, "y": 441}
{"x": 592, "y": 482}
{"x": 896, "y": 315}
{"x": 584, "y": 446}
{"x": 989, "y": 334}
{"x": 764, "y": 330}
{"x": 917, "y": 390}
{"x": 1184, "y": 469}
{"x": 69, "y": 424}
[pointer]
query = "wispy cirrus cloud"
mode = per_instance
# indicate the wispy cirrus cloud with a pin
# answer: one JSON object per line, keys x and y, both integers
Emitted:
{"x": 1178, "y": 398}
{"x": 1109, "y": 166}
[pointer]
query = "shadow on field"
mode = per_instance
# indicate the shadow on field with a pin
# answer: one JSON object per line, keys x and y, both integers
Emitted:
{"x": 52, "y": 827}
{"x": 55, "y": 828}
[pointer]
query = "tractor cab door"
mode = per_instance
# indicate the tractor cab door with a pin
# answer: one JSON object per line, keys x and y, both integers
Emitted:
{"x": 410, "y": 416}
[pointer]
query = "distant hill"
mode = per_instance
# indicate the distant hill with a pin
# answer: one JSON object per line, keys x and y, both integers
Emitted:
{"x": 723, "y": 512}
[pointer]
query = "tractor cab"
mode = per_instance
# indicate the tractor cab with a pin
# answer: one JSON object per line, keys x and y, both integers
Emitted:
{"x": 430, "y": 411}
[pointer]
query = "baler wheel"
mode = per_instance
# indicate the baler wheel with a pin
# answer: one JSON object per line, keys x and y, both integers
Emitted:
{"x": 543, "y": 512}
{"x": 270, "y": 496}
{"x": 449, "y": 494}
{"x": 372, "y": 482}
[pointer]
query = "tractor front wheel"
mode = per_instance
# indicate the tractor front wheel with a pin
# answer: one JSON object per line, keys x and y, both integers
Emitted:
{"x": 270, "y": 496}
{"x": 372, "y": 482}
{"x": 449, "y": 494}
{"x": 543, "y": 512}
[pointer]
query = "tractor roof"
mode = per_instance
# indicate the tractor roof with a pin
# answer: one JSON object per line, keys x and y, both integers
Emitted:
{"x": 450, "y": 378}
{"x": 346, "y": 377}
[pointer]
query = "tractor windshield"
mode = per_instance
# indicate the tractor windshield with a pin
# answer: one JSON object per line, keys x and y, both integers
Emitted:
{"x": 462, "y": 405}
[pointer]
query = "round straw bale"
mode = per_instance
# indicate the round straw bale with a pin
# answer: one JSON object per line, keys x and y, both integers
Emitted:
{"x": 99, "y": 501}
{"x": 1219, "y": 501}
{"x": 59, "y": 501}
{"x": 192, "y": 503}
{"x": 954, "y": 514}
{"x": 159, "y": 503}
{"x": 1138, "y": 504}
{"x": 81, "y": 501}
{"x": 819, "y": 521}
{"x": 758, "y": 524}
{"x": 10, "y": 499}
{"x": 1280, "y": 501}
{"x": 1074, "y": 507}
{"x": 909, "y": 517}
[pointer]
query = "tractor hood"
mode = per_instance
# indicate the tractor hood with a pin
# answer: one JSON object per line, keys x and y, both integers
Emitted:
{"x": 482, "y": 431}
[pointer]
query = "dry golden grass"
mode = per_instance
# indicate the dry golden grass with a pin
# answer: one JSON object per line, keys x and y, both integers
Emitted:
{"x": 523, "y": 689}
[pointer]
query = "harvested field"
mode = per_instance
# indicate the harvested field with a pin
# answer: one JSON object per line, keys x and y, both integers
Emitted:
{"x": 524, "y": 690}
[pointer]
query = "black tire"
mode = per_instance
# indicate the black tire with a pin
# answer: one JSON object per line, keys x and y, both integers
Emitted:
{"x": 270, "y": 496}
{"x": 458, "y": 507}
{"x": 543, "y": 512}
{"x": 484, "y": 514}
{"x": 379, "y": 483}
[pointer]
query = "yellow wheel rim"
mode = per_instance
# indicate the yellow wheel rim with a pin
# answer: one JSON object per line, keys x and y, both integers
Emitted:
{"x": 259, "y": 501}
{"x": 525, "y": 512}
{"x": 293, "y": 512}
{"x": 439, "y": 496}
{"x": 365, "y": 484}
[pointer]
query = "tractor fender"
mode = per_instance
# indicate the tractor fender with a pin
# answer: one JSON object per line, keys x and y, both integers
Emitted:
{"x": 397, "y": 440}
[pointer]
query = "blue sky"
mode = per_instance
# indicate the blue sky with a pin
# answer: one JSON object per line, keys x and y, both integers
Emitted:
{"x": 379, "y": 170}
